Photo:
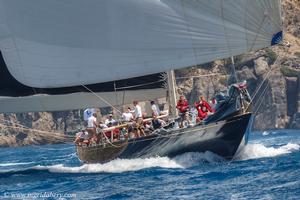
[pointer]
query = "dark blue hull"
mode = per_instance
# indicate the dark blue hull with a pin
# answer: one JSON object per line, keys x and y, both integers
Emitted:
{"x": 222, "y": 138}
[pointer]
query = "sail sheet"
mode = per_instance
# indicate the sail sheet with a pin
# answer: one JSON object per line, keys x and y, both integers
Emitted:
{"x": 48, "y": 44}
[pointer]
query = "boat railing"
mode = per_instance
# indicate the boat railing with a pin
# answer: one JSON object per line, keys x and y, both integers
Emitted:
{"x": 127, "y": 124}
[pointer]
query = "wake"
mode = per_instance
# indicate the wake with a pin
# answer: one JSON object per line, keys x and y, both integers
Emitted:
{"x": 254, "y": 151}
{"x": 251, "y": 151}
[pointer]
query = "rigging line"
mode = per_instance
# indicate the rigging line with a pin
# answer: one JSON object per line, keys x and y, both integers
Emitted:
{"x": 23, "y": 127}
{"x": 258, "y": 89}
{"x": 257, "y": 33}
{"x": 234, "y": 71}
{"x": 164, "y": 79}
{"x": 108, "y": 140}
{"x": 101, "y": 98}
{"x": 275, "y": 66}
{"x": 26, "y": 128}
{"x": 123, "y": 99}
{"x": 116, "y": 95}
{"x": 264, "y": 91}
{"x": 18, "y": 124}
{"x": 135, "y": 86}
{"x": 204, "y": 75}
{"x": 260, "y": 103}
{"x": 37, "y": 131}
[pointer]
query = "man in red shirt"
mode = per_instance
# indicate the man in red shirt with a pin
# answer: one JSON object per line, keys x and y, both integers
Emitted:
{"x": 203, "y": 108}
{"x": 182, "y": 105}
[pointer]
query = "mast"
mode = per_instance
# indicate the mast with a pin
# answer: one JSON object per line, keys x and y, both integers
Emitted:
{"x": 233, "y": 70}
{"x": 172, "y": 94}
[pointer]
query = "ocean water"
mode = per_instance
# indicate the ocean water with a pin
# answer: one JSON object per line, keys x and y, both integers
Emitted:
{"x": 268, "y": 168}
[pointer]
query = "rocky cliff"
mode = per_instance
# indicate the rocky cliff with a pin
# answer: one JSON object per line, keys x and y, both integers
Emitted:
{"x": 276, "y": 104}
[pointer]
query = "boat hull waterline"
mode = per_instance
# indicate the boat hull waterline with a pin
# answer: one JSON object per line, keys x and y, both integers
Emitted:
{"x": 223, "y": 138}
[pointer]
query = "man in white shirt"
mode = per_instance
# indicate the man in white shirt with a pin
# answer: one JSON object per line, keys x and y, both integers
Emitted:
{"x": 81, "y": 136}
{"x": 137, "y": 110}
{"x": 92, "y": 125}
{"x": 127, "y": 116}
{"x": 155, "y": 109}
{"x": 87, "y": 113}
{"x": 110, "y": 121}
{"x": 138, "y": 117}
{"x": 102, "y": 125}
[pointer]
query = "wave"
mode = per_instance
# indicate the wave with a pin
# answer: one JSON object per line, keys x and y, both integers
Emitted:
{"x": 253, "y": 151}
{"x": 265, "y": 133}
{"x": 127, "y": 165}
{"x": 194, "y": 158}
{"x": 14, "y": 164}
{"x": 115, "y": 166}
{"x": 186, "y": 160}
{"x": 52, "y": 149}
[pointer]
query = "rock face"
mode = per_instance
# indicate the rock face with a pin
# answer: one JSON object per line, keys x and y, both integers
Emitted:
{"x": 36, "y": 128}
{"x": 292, "y": 17}
{"x": 276, "y": 104}
{"x": 295, "y": 122}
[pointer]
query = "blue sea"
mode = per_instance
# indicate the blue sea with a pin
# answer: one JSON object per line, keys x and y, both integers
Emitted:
{"x": 268, "y": 168}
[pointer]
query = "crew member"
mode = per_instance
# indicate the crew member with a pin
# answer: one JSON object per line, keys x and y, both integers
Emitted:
{"x": 92, "y": 125}
{"x": 110, "y": 121}
{"x": 157, "y": 123}
{"x": 81, "y": 137}
{"x": 138, "y": 117}
{"x": 155, "y": 109}
{"x": 203, "y": 108}
{"x": 182, "y": 105}
{"x": 137, "y": 112}
{"x": 213, "y": 104}
{"x": 127, "y": 116}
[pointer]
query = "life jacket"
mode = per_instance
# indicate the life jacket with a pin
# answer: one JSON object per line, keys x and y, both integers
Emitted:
{"x": 202, "y": 114}
{"x": 182, "y": 106}
{"x": 115, "y": 132}
{"x": 203, "y": 103}
{"x": 199, "y": 106}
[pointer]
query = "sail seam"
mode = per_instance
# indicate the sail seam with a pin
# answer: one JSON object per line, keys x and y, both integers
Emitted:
{"x": 188, "y": 28}
{"x": 225, "y": 30}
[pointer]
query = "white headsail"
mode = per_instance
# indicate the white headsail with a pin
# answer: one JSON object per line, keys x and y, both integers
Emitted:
{"x": 50, "y": 44}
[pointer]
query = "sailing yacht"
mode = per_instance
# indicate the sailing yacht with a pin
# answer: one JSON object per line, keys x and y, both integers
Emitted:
{"x": 62, "y": 55}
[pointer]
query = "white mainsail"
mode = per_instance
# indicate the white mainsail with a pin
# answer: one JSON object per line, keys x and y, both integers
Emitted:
{"x": 50, "y": 44}
{"x": 73, "y": 101}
